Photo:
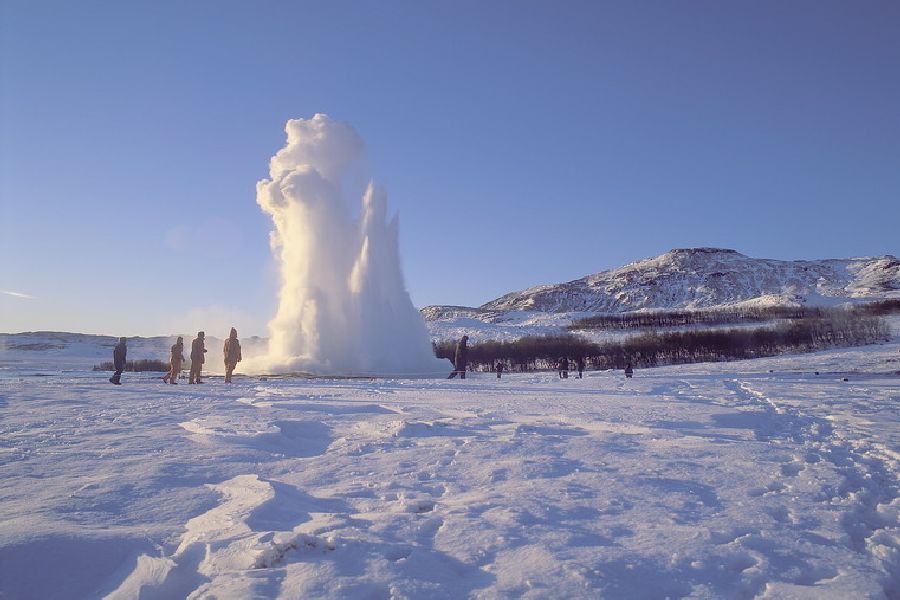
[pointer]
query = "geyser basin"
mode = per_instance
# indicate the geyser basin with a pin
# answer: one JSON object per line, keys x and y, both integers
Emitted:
{"x": 343, "y": 308}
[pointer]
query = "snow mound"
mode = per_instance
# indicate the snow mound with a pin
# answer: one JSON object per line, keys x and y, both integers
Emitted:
{"x": 288, "y": 437}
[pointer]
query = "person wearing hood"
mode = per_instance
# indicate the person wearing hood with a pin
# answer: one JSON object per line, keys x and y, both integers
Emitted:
{"x": 459, "y": 359}
{"x": 198, "y": 349}
{"x": 119, "y": 353}
{"x": 175, "y": 361}
{"x": 232, "y": 354}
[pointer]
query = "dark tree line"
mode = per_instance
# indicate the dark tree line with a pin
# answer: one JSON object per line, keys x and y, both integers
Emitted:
{"x": 524, "y": 354}
{"x": 677, "y": 318}
{"x": 881, "y": 308}
{"x": 728, "y": 316}
{"x": 137, "y": 366}
{"x": 839, "y": 328}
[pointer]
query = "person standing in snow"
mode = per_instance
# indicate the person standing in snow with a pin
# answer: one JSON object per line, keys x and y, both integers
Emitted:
{"x": 175, "y": 360}
{"x": 198, "y": 349}
{"x": 628, "y": 371}
{"x": 563, "y": 368}
{"x": 460, "y": 358}
{"x": 500, "y": 367}
{"x": 119, "y": 353}
{"x": 232, "y": 352}
{"x": 579, "y": 362}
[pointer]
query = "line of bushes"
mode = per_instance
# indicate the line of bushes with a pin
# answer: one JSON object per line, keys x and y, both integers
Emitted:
{"x": 728, "y": 316}
{"x": 652, "y": 349}
{"x": 137, "y": 366}
{"x": 880, "y": 308}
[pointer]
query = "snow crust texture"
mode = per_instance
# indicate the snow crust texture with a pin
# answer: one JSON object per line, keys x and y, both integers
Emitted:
{"x": 757, "y": 479}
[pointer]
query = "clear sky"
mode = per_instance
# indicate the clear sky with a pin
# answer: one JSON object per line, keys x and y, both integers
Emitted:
{"x": 521, "y": 142}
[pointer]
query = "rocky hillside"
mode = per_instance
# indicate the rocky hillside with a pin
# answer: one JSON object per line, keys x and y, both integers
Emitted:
{"x": 699, "y": 278}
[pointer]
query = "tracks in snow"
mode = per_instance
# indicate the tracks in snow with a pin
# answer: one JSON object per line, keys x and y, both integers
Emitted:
{"x": 867, "y": 494}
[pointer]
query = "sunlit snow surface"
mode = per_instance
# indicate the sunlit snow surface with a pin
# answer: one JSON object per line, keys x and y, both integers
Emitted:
{"x": 738, "y": 480}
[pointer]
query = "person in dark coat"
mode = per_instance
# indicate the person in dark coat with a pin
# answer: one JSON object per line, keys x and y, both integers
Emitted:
{"x": 500, "y": 367}
{"x": 119, "y": 353}
{"x": 459, "y": 359}
{"x": 198, "y": 349}
{"x": 563, "y": 368}
{"x": 176, "y": 358}
{"x": 628, "y": 371}
{"x": 232, "y": 354}
{"x": 579, "y": 362}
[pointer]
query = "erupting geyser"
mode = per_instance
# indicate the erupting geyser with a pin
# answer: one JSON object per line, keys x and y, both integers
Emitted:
{"x": 343, "y": 308}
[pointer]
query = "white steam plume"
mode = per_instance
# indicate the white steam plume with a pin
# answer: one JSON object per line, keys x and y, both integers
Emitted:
{"x": 343, "y": 307}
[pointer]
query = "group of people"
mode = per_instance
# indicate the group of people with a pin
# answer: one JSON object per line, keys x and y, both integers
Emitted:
{"x": 562, "y": 366}
{"x": 232, "y": 352}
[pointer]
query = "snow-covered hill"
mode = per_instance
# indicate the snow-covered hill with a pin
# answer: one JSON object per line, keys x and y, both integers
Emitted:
{"x": 688, "y": 278}
{"x": 702, "y": 278}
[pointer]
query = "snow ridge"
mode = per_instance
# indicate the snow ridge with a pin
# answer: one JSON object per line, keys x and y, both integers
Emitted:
{"x": 691, "y": 278}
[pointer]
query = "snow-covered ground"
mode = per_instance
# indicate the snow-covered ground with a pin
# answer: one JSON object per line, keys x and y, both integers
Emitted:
{"x": 730, "y": 480}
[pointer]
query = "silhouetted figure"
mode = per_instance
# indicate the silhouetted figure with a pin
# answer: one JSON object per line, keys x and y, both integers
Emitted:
{"x": 579, "y": 363}
{"x": 563, "y": 368}
{"x": 175, "y": 360}
{"x": 232, "y": 354}
{"x": 459, "y": 359}
{"x": 198, "y": 349}
{"x": 119, "y": 353}
{"x": 500, "y": 367}
{"x": 628, "y": 371}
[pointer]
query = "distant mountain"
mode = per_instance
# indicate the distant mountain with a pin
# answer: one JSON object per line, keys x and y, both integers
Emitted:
{"x": 691, "y": 278}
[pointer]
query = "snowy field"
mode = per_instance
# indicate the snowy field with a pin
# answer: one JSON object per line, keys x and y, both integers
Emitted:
{"x": 734, "y": 480}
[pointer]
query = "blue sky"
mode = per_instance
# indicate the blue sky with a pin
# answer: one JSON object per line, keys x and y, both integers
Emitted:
{"x": 521, "y": 142}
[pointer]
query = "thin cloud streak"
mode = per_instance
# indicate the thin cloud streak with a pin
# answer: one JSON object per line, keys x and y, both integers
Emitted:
{"x": 17, "y": 294}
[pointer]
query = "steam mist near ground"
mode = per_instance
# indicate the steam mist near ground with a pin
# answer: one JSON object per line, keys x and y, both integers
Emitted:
{"x": 343, "y": 308}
